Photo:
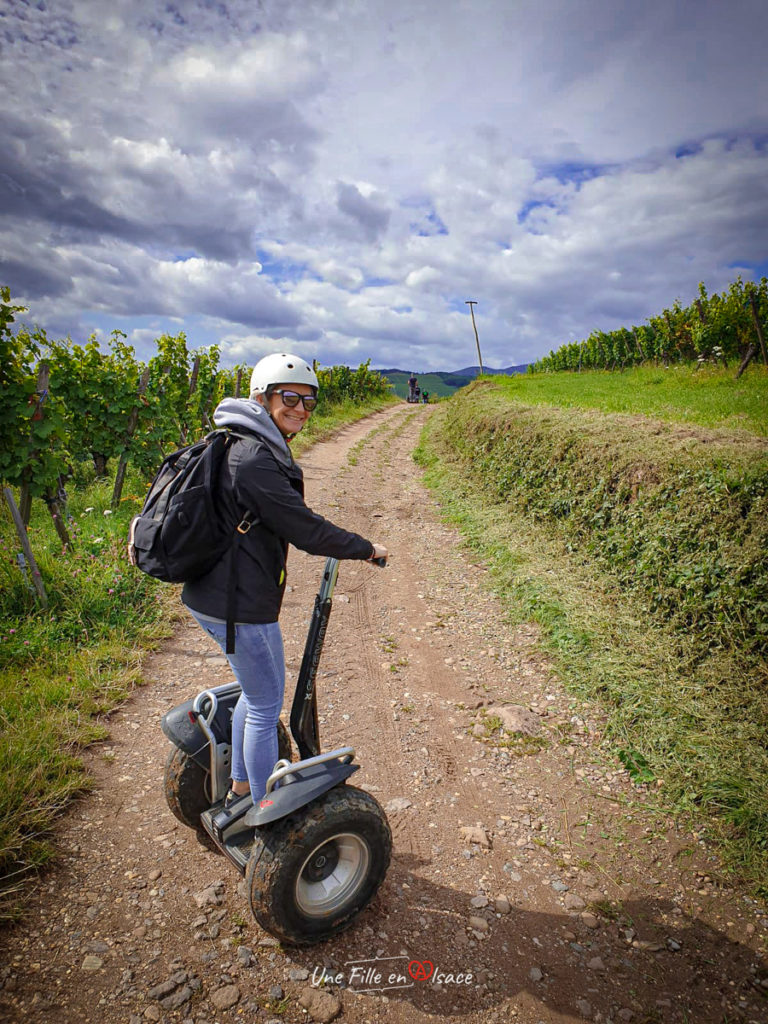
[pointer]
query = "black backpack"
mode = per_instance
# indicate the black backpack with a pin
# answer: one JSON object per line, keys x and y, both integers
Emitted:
{"x": 181, "y": 532}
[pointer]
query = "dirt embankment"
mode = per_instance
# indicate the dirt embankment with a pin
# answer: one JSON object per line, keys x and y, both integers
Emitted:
{"x": 528, "y": 888}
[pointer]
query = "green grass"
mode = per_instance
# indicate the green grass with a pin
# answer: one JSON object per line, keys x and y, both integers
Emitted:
{"x": 707, "y": 397}
{"x": 62, "y": 671}
{"x": 640, "y": 551}
{"x": 353, "y": 455}
{"x": 326, "y": 420}
{"x": 437, "y": 385}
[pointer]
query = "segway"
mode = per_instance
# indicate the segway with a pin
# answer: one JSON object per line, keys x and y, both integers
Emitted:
{"x": 314, "y": 850}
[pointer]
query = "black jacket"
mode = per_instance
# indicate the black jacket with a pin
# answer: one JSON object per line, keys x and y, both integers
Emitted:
{"x": 260, "y": 476}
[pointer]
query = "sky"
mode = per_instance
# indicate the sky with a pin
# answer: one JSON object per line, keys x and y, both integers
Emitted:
{"x": 336, "y": 178}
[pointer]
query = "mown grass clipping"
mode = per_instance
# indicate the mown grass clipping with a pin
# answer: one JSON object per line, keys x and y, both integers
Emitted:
{"x": 640, "y": 547}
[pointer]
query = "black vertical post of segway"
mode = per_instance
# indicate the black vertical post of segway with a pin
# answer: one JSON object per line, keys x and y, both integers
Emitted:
{"x": 304, "y": 724}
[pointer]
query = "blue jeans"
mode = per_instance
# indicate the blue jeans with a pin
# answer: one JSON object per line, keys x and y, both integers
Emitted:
{"x": 259, "y": 666}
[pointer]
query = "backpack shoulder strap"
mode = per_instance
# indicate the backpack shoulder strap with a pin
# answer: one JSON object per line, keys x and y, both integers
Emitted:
{"x": 248, "y": 520}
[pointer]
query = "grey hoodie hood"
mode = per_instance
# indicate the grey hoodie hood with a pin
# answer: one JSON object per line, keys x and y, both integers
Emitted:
{"x": 250, "y": 415}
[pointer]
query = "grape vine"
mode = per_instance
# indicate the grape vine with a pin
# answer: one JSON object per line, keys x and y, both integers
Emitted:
{"x": 721, "y": 328}
{"x": 65, "y": 403}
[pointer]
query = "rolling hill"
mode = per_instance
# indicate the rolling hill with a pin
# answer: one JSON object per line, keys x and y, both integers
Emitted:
{"x": 440, "y": 382}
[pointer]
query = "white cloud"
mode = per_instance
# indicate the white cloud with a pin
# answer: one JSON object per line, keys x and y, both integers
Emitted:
{"x": 342, "y": 176}
{"x": 267, "y": 68}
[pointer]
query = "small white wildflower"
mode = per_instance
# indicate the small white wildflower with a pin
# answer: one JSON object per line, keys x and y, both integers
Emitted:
{"x": 98, "y": 540}
{"x": 88, "y": 510}
{"x": 107, "y": 511}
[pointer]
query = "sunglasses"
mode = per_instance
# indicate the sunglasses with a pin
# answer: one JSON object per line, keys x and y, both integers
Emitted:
{"x": 291, "y": 399}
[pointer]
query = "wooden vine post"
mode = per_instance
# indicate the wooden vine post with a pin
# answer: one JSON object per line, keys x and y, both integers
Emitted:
{"x": 747, "y": 359}
{"x": 194, "y": 376}
{"x": 753, "y": 348}
{"x": 190, "y": 392}
{"x": 758, "y": 327}
{"x": 25, "y": 499}
{"x": 239, "y": 381}
{"x": 603, "y": 353}
{"x": 668, "y": 338}
{"x": 638, "y": 346}
{"x": 21, "y": 530}
{"x": 41, "y": 393}
{"x": 50, "y": 496}
{"x": 205, "y": 411}
{"x": 51, "y": 499}
{"x": 130, "y": 430}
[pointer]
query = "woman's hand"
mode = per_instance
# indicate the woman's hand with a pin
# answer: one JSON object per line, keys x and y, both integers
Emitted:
{"x": 379, "y": 551}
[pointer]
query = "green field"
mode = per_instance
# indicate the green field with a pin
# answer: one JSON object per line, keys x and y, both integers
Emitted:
{"x": 439, "y": 385}
{"x": 706, "y": 397}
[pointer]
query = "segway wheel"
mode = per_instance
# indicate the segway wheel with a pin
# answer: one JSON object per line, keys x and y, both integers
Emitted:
{"x": 312, "y": 872}
{"x": 188, "y": 784}
{"x": 187, "y": 788}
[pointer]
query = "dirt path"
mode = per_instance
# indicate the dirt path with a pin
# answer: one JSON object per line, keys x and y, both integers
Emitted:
{"x": 541, "y": 876}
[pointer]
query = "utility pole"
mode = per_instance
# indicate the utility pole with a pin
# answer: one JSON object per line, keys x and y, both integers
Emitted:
{"x": 472, "y": 303}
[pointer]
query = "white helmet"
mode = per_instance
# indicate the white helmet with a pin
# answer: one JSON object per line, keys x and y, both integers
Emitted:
{"x": 281, "y": 368}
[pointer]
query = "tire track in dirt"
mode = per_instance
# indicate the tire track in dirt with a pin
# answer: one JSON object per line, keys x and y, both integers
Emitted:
{"x": 369, "y": 686}
{"x": 387, "y": 457}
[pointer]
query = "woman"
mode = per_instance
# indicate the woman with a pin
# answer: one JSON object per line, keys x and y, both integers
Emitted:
{"x": 260, "y": 477}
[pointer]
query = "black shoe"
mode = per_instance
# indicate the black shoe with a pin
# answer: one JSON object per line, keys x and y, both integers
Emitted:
{"x": 231, "y": 799}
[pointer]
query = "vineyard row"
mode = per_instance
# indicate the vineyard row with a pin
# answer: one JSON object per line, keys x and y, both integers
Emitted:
{"x": 721, "y": 328}
{"x": 65, "y": 403}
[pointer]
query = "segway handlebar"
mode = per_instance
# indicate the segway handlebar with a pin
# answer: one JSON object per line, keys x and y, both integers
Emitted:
{"x": 381, "y": 562}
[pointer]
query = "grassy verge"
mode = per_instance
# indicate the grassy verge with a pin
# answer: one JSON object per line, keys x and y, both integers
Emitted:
{"x": 63, "y": 671}
{"x": 640, "y": 552}
{"x": 328, "y": 419}
{"x": 709, "y": 397}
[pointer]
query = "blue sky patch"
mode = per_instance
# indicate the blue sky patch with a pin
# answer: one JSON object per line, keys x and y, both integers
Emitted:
{"x": 571, "y": 172}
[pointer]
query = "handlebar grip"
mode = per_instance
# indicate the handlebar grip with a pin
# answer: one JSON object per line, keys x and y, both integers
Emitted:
{"x": 381, "y": 562}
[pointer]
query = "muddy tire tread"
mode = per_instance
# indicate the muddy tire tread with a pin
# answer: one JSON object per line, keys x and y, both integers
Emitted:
{"x": 335, "y": 809}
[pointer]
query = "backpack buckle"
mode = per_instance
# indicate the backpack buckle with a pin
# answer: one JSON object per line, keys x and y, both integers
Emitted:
{"x": 244, "y": 525}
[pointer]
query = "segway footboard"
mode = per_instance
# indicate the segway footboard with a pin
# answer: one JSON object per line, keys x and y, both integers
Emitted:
{"x": 300, "y": 785}
{"x": 289, "y": 788}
